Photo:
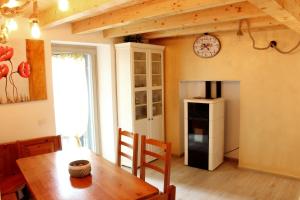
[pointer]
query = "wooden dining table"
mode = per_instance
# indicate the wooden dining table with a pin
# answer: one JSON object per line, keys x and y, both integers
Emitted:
{"x": 48, "y": 178}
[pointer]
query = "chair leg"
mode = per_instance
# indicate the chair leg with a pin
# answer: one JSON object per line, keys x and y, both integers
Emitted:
{"x": 142, "y": 166}
{"x": 119, "y": 148}
{"x": 135, "y": 154}
{"x": 167, "y": 168}
{"x": 171, "y": 192}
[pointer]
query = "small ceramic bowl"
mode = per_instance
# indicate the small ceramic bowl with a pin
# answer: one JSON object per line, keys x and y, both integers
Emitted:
{"x": 80, "y": 168}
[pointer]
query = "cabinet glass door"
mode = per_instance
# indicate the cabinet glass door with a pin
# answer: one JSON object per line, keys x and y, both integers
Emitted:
{"x": 156, "y": 77}
{"x": 156, "y": 102}
{"x": 156, "y": 98}
{"x": 140, "y": 105}
{"x": 156, "y": 71}
{"x": 140, "y": 70}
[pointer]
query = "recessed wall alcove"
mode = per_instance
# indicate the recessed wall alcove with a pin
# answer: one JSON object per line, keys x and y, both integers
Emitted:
{"x": 231, "y": 94}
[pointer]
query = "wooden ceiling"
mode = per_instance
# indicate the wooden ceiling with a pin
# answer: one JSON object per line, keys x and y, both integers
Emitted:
{"x": 169, "y": 18}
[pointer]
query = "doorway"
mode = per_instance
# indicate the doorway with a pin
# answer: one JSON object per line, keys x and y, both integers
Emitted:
{"x": 75, "y": 96}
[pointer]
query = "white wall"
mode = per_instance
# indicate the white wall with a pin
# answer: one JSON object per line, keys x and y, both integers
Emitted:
{"x": 107, "y": 99}
{"x": 231, "y": 94}
{"x": 36, "y": 119}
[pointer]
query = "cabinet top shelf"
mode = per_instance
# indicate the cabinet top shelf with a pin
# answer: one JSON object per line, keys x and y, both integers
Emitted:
{"x": 139, "y": 89}
{"x": 139, "y": 105}
{"x": 139, "y": 45}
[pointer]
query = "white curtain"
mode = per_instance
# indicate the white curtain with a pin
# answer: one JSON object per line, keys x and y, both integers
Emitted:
{"x": 70, "y": 94}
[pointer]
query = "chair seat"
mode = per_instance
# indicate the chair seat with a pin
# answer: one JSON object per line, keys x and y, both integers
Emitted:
{"x": 11, "y": 184}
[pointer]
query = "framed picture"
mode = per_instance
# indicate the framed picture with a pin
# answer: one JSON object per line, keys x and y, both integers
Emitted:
{"x": 22, "y": 71}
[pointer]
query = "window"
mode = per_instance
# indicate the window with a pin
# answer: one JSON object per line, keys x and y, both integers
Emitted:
{"x": 75, "y": 96}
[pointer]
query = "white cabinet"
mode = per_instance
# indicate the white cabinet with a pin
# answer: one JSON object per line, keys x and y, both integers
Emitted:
{"x": 140, "y": 88}
{"x": 204, "y": 132}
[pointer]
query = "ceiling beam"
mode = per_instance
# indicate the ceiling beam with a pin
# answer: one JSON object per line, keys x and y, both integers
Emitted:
{"x": 146, "y": 10}
{"x": 213, "y": 15}
{"x": 80, "y": 9}
{"x": 284, "y": 11}
{"x": 260, "y": 22}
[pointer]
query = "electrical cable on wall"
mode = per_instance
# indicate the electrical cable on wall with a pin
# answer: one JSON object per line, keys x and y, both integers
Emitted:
{"x": 272, "y": 44}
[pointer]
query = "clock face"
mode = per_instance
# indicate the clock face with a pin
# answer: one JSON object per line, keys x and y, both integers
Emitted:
{"x": 207, "y": 46}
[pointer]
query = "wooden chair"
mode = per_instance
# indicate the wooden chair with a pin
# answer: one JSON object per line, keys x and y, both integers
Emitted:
{"x": 170, "y": 195}
{"x": 166, "y": 147}
{"x": 11, "y": 179}
{"x": 8, "y": 157}
{"x": 11, "y": 196}
{"x": 38, "y": 146}
{"x": 133, "y": 146}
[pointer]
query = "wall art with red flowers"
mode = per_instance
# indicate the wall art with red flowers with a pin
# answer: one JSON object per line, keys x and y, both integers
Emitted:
{"x": 21, "y": 63}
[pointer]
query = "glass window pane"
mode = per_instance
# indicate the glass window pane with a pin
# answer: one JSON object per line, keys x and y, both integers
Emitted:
{"x": 157, "y": 109}
{"x": 156, "y": 57}
{"x": 156, "y": 80}
{"x": 139, "y": 67}
{"x": 140, "y": 98}
{"x": 140, "y": 112}
{"x": 139, "y": 55}
{"x": 156, "y": 96}
{"x": 156, "y": 67}
{"x": 140, "y": 81}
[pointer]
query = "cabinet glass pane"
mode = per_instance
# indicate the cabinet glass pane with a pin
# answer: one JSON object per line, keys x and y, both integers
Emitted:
{"x": 141, "y": 98}
{"x": 156, "y": 109}
{"x": 156, "y": 57}
{"x": 156, "y": 80}
{"x": 156, "y": 68}
{"x": 139, "y": 67}
{"x": 140, "y": 81}
{"x": 139, "y": 55}
{"x": 140, "y": 112}
{"x": 156, "y": 96}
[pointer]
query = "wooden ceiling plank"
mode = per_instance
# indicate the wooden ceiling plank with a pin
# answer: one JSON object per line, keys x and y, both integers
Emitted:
{"x": 258, "y": 29}
{"x": 146, "y": 10}
{"x": 213, "y": 15}
{"x": 284, "y": 11}
{"x": 80, "y": 9}
{"x": 260, "y": 22}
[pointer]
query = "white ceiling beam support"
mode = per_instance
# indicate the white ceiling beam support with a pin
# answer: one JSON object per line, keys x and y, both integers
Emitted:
{"x": 80, "y": 9}
{"x": 284, "y": 11}
{"x": 208, "y": 16}
{"x": 146, "y": 10}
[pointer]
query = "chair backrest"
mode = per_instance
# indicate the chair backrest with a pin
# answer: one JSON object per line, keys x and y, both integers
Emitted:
{"x": 8, "y": 157}
{"x": 166, "y": 158}
{"x": 39, "y": 146}
{"x": 133, "y": 146}
{"x": 170, "y": 195}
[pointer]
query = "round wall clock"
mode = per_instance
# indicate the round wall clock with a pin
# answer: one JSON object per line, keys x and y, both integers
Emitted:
{"x": 207, "y": 46}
